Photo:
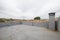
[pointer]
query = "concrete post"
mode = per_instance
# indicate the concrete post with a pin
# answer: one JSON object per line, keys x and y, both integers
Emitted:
{"x": 52, "y": 21}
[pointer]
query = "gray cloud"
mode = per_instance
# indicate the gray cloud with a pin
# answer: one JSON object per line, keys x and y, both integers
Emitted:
{"x": 29, "y": 8}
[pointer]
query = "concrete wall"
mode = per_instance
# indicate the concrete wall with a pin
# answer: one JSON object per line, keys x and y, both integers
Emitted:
{"x": 27, "y": 23}
{"x": 9, "y": 24}
{"x": 59, "y": 24}
{"x": 39, "y": 24}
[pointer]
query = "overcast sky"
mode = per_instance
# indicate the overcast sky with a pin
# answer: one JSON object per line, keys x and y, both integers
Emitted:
{"x": 28, "y": 8}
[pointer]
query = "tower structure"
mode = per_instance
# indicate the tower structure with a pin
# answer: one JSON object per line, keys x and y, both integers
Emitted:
{"x": 52, "y": 21}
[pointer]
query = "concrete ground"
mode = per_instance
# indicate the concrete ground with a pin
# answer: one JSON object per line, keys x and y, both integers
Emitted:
{"x": 24, "y": 32}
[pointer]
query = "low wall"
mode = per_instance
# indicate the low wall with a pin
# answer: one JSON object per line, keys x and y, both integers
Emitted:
{"x": 40, "y": 24}
{"x": 9, "y": 24}
{"x": 27, "y": 23}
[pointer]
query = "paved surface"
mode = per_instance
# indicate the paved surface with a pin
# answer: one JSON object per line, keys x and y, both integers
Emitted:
{"x": 24, "y": 32}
